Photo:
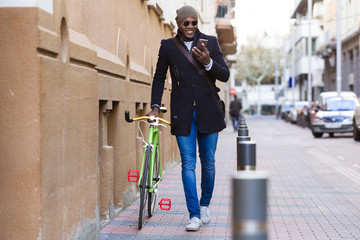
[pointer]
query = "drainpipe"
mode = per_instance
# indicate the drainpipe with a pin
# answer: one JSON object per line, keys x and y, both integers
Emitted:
{"x": 293, "y": 64}
{"x": 309, "y": 95}
{"x": 338, "y": 48}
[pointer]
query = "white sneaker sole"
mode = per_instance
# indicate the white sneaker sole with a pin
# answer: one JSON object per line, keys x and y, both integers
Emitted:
{"x": 205, "y": 221}
{"x": 193, "y": 229}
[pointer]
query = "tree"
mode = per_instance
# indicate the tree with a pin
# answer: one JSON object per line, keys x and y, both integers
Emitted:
{"x": 255, "y": 63}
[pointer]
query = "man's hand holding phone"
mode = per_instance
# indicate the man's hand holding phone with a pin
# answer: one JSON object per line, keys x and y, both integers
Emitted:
{"x": 201, "y": 52}
{"x": 200, "y": 43}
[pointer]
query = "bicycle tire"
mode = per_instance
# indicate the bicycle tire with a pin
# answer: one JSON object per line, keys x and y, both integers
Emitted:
{"x": 143, "y": 185}
{"x": 152, "y": 196}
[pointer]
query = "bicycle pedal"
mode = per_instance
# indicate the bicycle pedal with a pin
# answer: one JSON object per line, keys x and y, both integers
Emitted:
{"x": 165, "y": 204}
{"x": 133, "y": 175}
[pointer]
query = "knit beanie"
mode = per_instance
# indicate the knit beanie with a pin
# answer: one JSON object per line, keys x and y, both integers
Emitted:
{"x": 185, "y": 11}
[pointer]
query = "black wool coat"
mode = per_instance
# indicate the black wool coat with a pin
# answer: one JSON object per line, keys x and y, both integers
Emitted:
{"x": 189, "y": 87}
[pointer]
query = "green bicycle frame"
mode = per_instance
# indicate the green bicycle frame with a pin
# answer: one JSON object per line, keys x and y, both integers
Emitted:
{"x": 154, "y": 144}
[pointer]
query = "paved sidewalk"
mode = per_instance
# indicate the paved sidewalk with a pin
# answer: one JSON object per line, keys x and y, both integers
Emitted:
{"x": 311, "y": 196}
{"x": 171, "y": 224}
{"x": 314, "y": 190}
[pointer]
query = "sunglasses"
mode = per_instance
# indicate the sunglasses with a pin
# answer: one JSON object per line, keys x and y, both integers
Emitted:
{"x": 186, "y": 23}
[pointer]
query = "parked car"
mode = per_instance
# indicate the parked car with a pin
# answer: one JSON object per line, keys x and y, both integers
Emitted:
{"x": 356, "y": 122}
{"x": 285, "y": 110}
{"x": 324, "y": 96}
{"x": 336, "y": 116}
{"x": 297, "y": 109}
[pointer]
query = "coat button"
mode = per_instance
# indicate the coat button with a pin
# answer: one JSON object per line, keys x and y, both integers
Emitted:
{"x": 194, "y": 85}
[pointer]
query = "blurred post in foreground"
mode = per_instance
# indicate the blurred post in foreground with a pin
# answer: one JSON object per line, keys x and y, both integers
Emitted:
{"x": 249, "y": 205}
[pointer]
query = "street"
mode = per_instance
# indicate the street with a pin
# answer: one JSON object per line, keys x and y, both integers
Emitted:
{"x": 340, "y": 153}
{"x": 314, "y": 183}
{"x": 69, "y": 158}
{"x": 313, "y": 188}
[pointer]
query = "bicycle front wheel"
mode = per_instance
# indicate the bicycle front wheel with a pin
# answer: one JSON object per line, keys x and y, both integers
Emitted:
{"x": 143, "y": 186}
{"x": 152, "y": 196}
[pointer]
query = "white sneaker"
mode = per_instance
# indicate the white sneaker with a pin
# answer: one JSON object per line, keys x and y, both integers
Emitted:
{"x": 194, "y": 224}
{"x": 205, "y": 214}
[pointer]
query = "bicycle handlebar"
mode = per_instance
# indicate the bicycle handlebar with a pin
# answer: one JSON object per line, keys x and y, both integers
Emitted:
{"x": 128, "y": 119}
{"x": 127, "y": 116}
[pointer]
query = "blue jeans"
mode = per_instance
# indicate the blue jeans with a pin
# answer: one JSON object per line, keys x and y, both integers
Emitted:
{"x": 235, "y": 122}
{"x": 207, "y": 146}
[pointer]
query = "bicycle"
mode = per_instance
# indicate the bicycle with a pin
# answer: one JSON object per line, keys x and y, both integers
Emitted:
{"x": 150, "y": 173}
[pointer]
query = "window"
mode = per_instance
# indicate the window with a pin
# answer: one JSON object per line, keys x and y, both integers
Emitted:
{"x": 313, "y": 46}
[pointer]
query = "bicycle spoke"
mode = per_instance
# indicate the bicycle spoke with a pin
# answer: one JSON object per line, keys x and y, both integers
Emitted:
{"x": 153, "y": 195}
{"x": 143, "y": 192}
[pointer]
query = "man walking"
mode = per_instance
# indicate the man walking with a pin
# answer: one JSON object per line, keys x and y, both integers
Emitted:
{"x": 195, "y": 113}
{"x": 235, "y": 108}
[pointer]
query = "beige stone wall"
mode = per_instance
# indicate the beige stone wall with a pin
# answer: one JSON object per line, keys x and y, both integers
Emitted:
{"x": 66, "y": 80}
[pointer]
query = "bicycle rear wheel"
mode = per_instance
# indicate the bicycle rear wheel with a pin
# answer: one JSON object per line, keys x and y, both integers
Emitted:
{"x": 143, "y": 186}
{"x": 153, "y": 195}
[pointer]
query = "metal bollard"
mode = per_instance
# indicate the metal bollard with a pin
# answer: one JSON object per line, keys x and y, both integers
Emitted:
{"x": 246, "y": 155}
{"x": 243, "y": 132}
{"x": 246, "y": 149}
{"x": 249, "y": 205}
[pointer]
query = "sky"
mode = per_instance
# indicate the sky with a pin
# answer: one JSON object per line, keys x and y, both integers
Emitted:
{"x": 272, "y": 16}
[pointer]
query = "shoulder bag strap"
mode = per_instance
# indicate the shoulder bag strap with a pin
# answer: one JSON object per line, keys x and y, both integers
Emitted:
{"x": 201, "y": 70}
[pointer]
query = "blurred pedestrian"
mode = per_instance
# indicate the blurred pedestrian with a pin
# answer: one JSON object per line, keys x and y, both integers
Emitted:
{"x": 195, "y": 112}
{"x": 235, "y": 108}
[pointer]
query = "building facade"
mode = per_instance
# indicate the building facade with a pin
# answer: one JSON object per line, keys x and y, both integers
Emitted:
{"x": 323, "y": 63}
{"x": 297, "y": 66}
{"x": 350, "y": 31}
{"x": 69, "y": 70}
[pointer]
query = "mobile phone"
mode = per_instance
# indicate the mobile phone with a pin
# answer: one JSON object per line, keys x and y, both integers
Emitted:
{"x": 199, "y": 46}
